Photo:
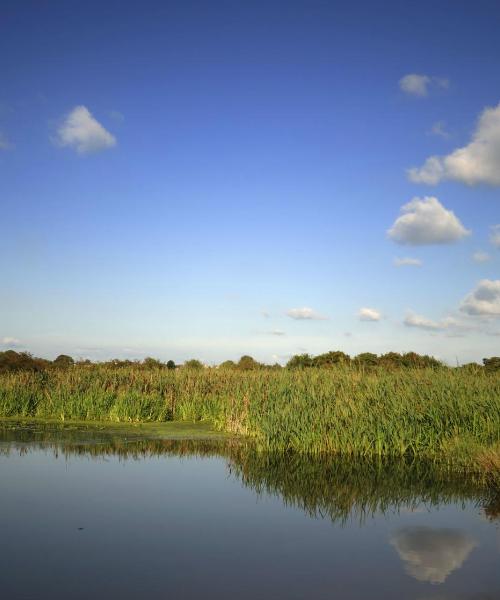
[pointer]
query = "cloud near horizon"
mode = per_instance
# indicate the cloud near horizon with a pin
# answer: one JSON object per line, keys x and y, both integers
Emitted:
{"x": 369, "y": 314}
{"x": 477, "y": 162}
{"x": 82, "y": 132}
{"x": 484, "y": 300}
{"x": 426, "y": 221}
{"x": 10, "y": 342}
{"x": 305, "y": 313}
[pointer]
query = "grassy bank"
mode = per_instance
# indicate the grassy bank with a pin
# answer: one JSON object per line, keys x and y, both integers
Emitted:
{"x": 447, "y": 414}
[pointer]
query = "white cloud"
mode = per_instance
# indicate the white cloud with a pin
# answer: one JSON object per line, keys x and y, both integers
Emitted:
{"x": 81, "y": 131}
{"x": 432, "y": 554}
{"x": 484, "y": 300}
{"x": 420, "y": 85}
{"x": 495, "y": 236}
{"x": 369, "y": 314}
{"x": 305, "y": 313}
{"x": 4, "y": 142}
{"x": 426, "y": 221}
{"x": 277, "y": 332}
{"x": 477, "y": 162}
{"x": 415, "y": 85}
{"x": 449, "y": 324}
{"x": 10, "y": 342}
{"x": 481, "y": 257}
{"x": 420, "y": 322}
{"x": 407, "y": 262}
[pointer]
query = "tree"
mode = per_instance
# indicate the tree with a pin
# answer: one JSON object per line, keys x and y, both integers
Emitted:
{"x": 193, "y": 364}
{"x": 227, "y": 364}
{"x": 300, "y": 361}
{"x": 366, "y": 359}
{"x": 247, "y": 363}
{"x": 330, "y": 358}
{"x": 64, "y": 361}
{"x": 170, "y": 364}
{"x": 152, "y": 363}
{"x": 492, "y": 364}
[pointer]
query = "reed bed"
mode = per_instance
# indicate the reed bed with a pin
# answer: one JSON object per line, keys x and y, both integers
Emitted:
{"x": 434, "y": 413}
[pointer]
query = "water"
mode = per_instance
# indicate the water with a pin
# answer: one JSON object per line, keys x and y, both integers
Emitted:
{"x": 87, "y": 515}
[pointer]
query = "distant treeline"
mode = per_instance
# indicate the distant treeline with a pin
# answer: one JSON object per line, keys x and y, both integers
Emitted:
{"x": 11, "y": 360}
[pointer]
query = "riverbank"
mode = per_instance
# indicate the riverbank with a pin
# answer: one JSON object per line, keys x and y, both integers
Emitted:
{"x": 448, "y": 415}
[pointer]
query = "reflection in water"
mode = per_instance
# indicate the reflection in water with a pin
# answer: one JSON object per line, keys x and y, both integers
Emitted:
{"x": 180, "y": 528}
{"x": 432, "y": 554}
{"x": 321, "y": 486}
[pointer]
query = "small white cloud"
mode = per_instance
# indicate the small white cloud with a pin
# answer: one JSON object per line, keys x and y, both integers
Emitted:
{"x": 450, "y": 326}
{"x": 277, "y": 332}
{"x": 478, "y": 162}
{"x": 432, "y": 554}
{"x": 369, "y": 314}
{"x": 265, "y": 314}
{"x": 10, "y": 342}
{"x": 439, "y": 129}
{"x": 484, "y": 300}
{"x": 495, "y": 236}
{"x": 481, "y": 257}
{"x": 4, "y": 142}
{"x": 415, "y": 85}
{"x": 82, "y": 132}
{"x": 426, "y": 221}
{"x": 407, "y": 262}
{"x": 305, "y": 313}
{"x": 420, "y": 322}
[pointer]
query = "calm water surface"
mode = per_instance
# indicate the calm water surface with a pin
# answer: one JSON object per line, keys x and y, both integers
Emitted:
{"x": 96, "y": 516}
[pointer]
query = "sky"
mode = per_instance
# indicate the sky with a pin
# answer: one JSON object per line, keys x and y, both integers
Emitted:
{"x": 210, "y": 179}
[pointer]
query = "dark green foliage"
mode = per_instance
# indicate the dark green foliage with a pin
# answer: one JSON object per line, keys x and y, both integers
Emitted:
{"x": 300, "y": 361}
{"x": 492, "y": 364}
{"x": 21, "y": 361}
{"x": 366, "y": 359}
{"x": 247, "y": 363}
{"x": 228, "y": 364}
{"x": 331, "y": 358}
{"x": 193, "y": 363}
{"x": 170, "y": 364}
{"x": 153, "y": 363}
{"x": 63, "y": 361}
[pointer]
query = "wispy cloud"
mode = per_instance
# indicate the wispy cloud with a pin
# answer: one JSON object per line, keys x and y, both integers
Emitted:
{"x": 419, "y": 85}
{"x": 369, "y": 314}
{"x": 439, "y": 129}
{"x": 481, "y": 257}
{"x": 407, "y": 262}
{"x": 426, "y": 221}
{"x": 9, "y": 342}
{"x": 495, "y": 236}
{"x": 477, "y": 162}
{"x": 82, "y": 132}
{"x": 277, "y": 332}
{"x": 305, "y": 313}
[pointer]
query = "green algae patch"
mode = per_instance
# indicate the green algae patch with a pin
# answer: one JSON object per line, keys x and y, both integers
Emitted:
{"x": 80, "y": 430}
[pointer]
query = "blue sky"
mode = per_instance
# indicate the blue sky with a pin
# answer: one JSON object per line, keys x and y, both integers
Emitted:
{"x": 207, "y": 179}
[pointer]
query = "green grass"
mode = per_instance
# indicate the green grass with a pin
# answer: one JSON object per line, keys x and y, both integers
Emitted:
{"x": 443, "y": 414}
